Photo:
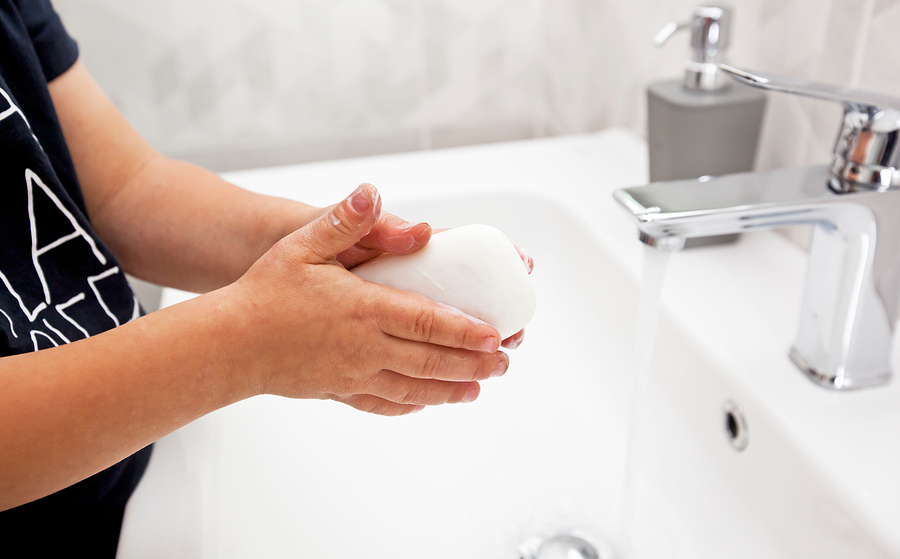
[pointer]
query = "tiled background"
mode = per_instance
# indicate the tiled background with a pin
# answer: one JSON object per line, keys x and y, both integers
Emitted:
{"x": 243, "y": 83}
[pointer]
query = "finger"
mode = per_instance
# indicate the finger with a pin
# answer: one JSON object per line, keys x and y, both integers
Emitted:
{"x": 356, "y": 255}
{"x": 412, "y": 317}
{"x": 378, "y": 406}
{"x": 390, "y": 235}
{"x": 341, "y": 227}
{"x": 402, "y": 389}
{"x": 396, "y": 236}
{"x": 428, "y": 361}
{"x": 526, "y": 259}
{"x": 514, "y": 341}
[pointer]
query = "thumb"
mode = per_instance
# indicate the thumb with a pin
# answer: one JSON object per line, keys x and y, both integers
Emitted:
{"x": 343, "y": 226}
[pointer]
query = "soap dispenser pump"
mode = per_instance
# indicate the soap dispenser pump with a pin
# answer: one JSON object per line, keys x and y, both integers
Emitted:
{"x": 705, "y": 123}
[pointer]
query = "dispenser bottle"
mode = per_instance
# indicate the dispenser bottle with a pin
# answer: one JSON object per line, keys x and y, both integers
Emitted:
{"x": 706, "y": 123}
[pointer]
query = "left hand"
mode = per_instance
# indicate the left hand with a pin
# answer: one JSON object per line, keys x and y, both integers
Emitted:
{"x": 390, "y": 235}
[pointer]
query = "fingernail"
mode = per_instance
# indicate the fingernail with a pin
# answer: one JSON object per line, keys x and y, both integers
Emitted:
{"x": 470, "y": 396}
{"x": 526, "y": 259}
{"x": 417, "y": 409}
{"x": 500, "y": 369}
{"x": 490, "y": 345}
{"x": 403, "y": 242}
{"x": 514, "y": 341}
{"x": 360, "y": 199}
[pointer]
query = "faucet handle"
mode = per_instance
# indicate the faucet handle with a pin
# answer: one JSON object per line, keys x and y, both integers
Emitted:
{"x": 854, "y": 99}
{"x": 867, "y": 151}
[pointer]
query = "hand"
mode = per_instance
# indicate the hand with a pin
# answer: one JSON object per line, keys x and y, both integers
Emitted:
{"x": 390, "y": 234}
{"x": 307, "y": 328}
{"x": 393, "y": 235}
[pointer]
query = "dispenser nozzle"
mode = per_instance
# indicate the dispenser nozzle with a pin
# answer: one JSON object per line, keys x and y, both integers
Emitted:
{"x": 710, "y": 35}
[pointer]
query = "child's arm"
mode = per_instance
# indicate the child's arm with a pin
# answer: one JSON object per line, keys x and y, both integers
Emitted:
{"x": 296, "y": 324}
{"x": 173, "y": 223}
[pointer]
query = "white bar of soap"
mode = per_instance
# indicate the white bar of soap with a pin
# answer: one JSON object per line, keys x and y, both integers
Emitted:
{"x": 474, "y": 268}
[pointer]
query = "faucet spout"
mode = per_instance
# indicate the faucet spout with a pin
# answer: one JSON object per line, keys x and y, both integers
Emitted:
{"x": 668, "y": 243}
{"x": 852, "y": 294}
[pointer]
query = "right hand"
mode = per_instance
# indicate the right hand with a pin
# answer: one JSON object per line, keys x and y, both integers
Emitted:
{"x": 308, "y": 328}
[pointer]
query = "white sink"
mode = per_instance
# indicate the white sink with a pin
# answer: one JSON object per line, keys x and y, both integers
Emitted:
{"x": 544, "y": 448}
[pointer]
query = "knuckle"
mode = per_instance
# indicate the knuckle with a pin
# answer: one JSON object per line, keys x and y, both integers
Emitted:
{"x": 424, "y": 323}
{"x": 484, "y": 370}
{"x": 375, "y": 385}
{"x": 344, "y": 385}
{"x": 364, "y": 311}
{"x": 465, "y": 336}
{"x": 473, "y": 369}
{"x": 432, "y": 365}
{"x": 380, "y": 407}
{"x": 460, "y": 330}
{"x": 369, "y": 405}
{"x": 414, "y": 394}
{"x": 336, "y": 222}
{"x": 342, "y": 223}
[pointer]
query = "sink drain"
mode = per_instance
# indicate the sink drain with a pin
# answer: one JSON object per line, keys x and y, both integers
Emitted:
{"x": 736, "y": 426}
{"x": 564, "y": 546}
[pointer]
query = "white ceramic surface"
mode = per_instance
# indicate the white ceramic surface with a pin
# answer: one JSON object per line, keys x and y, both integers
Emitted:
{"x": 544, "y": 447}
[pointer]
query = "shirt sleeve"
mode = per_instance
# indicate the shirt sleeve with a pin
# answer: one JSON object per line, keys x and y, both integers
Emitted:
{"x": 56, "y": 50}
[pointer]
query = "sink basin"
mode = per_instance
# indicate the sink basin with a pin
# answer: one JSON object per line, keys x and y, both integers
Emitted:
{"x": 545, "y": 448}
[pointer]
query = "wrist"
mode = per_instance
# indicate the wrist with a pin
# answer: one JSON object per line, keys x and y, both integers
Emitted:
{"x": 204, "y": 338}
{"x": 229, "y": 315}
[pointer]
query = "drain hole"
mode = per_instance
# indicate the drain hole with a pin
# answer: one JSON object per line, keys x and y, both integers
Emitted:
{"x": 565, "y": 545}
{"x": 736, "y": 426}
{"x": 731, "y": 425}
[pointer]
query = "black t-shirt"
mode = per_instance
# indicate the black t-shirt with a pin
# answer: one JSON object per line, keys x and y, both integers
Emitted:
{"x": 58, "y": 282}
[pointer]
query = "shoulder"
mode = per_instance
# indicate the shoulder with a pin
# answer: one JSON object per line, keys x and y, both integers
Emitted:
{"x": 56, "y": 50}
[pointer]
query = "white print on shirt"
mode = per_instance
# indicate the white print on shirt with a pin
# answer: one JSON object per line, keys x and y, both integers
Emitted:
{"x": 61, "y": 310}
{"x": 30, "y": 179}
{"x": 12, "y": 328}
{"x": 36, "y": 333}
{"x": 34, "y": 185}
{"x": 14, "y": 109}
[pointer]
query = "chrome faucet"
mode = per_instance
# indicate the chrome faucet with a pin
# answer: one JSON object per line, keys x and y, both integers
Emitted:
{"x": 852, "y": 294}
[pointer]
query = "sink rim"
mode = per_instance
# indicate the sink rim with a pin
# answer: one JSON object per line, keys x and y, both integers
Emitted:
{"x": 703, "y": 278}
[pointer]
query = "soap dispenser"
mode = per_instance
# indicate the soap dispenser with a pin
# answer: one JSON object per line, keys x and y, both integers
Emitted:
{"x": 706, "y": 123}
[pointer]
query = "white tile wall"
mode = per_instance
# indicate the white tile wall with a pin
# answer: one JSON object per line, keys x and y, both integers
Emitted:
{"x": 240, "y": 83}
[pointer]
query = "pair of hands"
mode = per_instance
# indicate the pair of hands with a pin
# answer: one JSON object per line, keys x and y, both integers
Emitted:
{"x": 318, "y": 331}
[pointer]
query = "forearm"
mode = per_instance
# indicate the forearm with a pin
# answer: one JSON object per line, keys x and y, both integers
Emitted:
{"x": 74, "y": 410}
{"x": 296, "y": 324}
{"x": 179, "y": 225}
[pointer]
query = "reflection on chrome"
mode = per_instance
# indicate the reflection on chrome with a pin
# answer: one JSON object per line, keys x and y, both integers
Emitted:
{"x": 852, "y": 293}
